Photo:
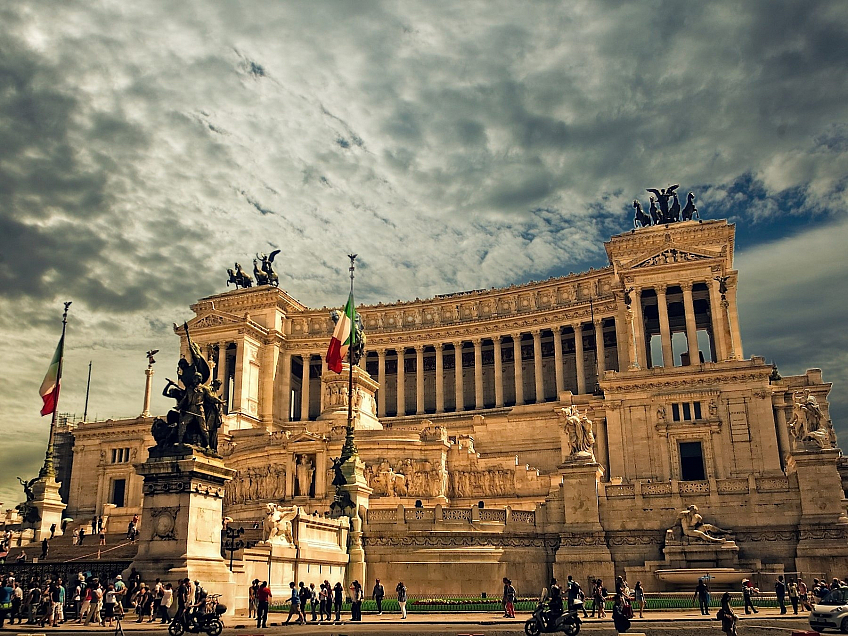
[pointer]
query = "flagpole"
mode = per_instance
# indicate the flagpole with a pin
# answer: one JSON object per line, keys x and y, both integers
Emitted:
{"x": 87, "y": 389}
{"x": 349, "y": 449}
{"x": 48, "y": 470}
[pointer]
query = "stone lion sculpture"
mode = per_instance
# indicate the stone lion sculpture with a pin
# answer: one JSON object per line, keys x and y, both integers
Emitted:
{"x": 278, "y": 524}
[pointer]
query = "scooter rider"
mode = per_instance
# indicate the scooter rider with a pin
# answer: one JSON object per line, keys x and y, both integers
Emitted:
{"x": 555, "y": 609}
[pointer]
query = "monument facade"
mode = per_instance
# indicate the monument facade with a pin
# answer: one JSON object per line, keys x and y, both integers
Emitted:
{"x": 595, "y": 424}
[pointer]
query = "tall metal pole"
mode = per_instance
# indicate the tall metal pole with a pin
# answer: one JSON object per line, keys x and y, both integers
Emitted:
{"x": 87, "y": 390}
{"x": 349, "y": 449}
{"x": 48, "y": 470}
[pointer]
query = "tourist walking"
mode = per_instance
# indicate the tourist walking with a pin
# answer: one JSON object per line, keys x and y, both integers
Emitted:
{"x": 263, "y": 595}
{"x": 599, "y": 599}
{"x": 304, "y": 595}
{"x": 313, "y": 601}
{"x": 95, "y": 605}
{"x": 780, "y": 592}
{"x": 702, "y": 595}
{"x": 165, "y": 603}
{"x": 621, "y": 612}
{"x": 294, "y": 606}
{"x": 748, "y": 593}
{"x": 45, "y": 548}
{"x": 75, "y": 537}
{"x": 338, "y": 594}
{"x": 508, "y": 598}
{"x": 803, "y": 595}
{"x": 81, "y": 536}
{"x": 6, "y": 594}
{"x": 580, "y": 602}
{"x": 401, "y": 595}
{"x": 17, "y": 602}
{"x": 378, "y": 593}
{"x": 356, "y": 597}
{"x": 726, "y": 616}
{"x": 639, "y": 597}
{"x": 52, "y": 531}
{"x": 251, "y": 596}
{"x": 792, "y": 592}
{"x": 323, "y": 601}
{"x": 102, "y": 536}
{"x": 110, "y": 601}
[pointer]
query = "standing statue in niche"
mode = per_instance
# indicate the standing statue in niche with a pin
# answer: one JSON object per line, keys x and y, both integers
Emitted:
{"x": 578, "y": 431}
{"x": 198, "y": 413}
{"x": 304, "y": 472}
{"x": 693, "y": 526}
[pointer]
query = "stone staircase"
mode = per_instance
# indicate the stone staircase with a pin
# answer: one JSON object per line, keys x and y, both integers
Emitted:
{"x": 117, "y": 548}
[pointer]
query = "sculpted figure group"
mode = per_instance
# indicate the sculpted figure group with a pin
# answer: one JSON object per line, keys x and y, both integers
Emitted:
{"x": 256, "y": 484}
{"x": 808, "y": 423}
{"x": 198, "y": 413}
{"x": 693, "y": 526}
{"x": 578, "y": 433}
{"x": 277, "y": 527}
{"x": 263, "y": 271}
{"x": 665, "y": 213}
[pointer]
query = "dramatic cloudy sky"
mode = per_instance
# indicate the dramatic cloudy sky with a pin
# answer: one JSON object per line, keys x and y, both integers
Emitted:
{"x": 453, "y": 145}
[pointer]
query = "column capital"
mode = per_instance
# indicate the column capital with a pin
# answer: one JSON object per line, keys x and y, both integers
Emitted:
{"x": 381, "y": 353}
{"x": 517, "y": 336}
{"x": 660, "y": 289}
{"x": 577, "y": 326}
{"x": 536, "y": 332}
{"x": 496, "y": 339}
{"x": 438, "y": 346}
{"x": 419, "y": 348}
{"x": 687, "y": 285}
{"x": 477, "y": 342}
{"x": 598, "y": 322}
{"x": 457, "y": 344}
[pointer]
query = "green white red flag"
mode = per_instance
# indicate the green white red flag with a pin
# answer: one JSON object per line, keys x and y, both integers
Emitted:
{"x": 50, "y": 386}
{"x": 344, "y": 336}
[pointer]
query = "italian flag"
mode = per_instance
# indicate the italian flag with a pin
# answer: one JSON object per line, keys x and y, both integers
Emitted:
{"x": 50, "y": 387}
{"x": 344, "y": 336}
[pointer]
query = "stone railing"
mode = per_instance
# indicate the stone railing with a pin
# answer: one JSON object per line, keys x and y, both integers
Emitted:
{"x": 772, "y": 484}
{"x": 488, "y": 514}
{"x": 732, "y": 486}
{"x": 693, "y": 487}
{"x": 620, "y": 490}
{"x": 456, "y": 514}
{"x": 519, "y": 520}
{"x": 656, "y": 489}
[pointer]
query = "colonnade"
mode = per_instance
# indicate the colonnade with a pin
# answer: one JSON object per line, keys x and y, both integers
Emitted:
{"x": 449, "y": 354}
{"x": 724, "y": 327}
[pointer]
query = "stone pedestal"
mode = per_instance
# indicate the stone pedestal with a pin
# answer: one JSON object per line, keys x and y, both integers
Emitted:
{"x": 49, "y": 505}
{"x": 823, "y": 542}
{"x": 583, "y": 552}
{"x": 181, "y": 520}
{"x": 335, "y": 393}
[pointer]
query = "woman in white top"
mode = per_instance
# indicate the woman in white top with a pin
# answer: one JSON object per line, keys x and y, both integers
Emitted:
{"x": 165, "y": 605}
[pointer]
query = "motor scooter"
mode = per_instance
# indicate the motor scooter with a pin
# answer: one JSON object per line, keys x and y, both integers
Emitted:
{"x": 568, "y": 622}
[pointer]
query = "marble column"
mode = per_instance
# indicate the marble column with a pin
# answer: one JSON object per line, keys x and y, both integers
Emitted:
{"x": 304, "y": 388}
{"x": 782, "y": 430}
{"x": 401, "y": 379}
{"x": 733, "y": 310}
{"x": 665, "y": 330}
{"x": 238, "y": 378}
{"x": 381, "y": 379}
{"x": 717, "y": 318}
{"x": 323, "y": 358}
{"x": 478, "y": 373}
{"x": 222, "y": 375}
{"x": 440, "y": 378}
{"x": 499, "y": 396}
{"x": 639, "y": 328}
{"x": 600, "y": 354}
{"x": 419, "y": 379}
{"x": 457, "y": 371}
{"x": 691, "y": 329}
{"x": 519, "y": 373}
{"x": 537, "y": 365}
{"x": 578, "y": 358}
{"x": 268, "y": 375}
{"x": 285, "y": 386}
{"x": 558, "y": 371}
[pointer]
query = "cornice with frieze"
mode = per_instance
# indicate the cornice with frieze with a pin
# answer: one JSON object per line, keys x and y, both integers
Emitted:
{"x": 699, "y": 379}
{"x": 637, "y": 241}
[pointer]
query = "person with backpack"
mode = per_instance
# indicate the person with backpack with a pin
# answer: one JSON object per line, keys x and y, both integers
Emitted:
{"x": 356, "y": 597}
{"x": 304, "y": 596}
{"x": 294, "y": 606}
{"x": 379, "y": 592}
{"x": 508, "y": 598}
{"x": 792, "y": 592}
{"x": 338, "y": 594}
{"x": 401, "y": 595}
{"x": 620, "y": 617}
{"x": 780, "y": 592}
{"x": 599, "y": 599}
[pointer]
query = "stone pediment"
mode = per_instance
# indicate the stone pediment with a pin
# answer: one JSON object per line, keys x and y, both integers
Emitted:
{"x": 670, "y": 254}
{"x": 214, "y": 319}
{"x": 306, "y": 437}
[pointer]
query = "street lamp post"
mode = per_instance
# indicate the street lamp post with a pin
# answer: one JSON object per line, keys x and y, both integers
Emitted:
{"x": 233, "y": 544}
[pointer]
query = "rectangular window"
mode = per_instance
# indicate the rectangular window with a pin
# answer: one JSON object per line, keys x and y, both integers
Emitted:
{"x": 687, "y": 411}
{"x": 697, "y": 407}
{"x": 119, "y": 487}
{"x": 691, "y": 461}
{"x": 114, "y": 455}
{"x": 675, "y": 412}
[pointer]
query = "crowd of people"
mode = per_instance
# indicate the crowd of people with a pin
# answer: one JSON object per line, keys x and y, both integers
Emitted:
{"x": 88, "y": 600}
{"x": 321, "y": 602}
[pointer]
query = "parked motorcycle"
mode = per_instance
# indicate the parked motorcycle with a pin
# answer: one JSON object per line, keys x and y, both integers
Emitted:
{"x": 209, "y": 622}
{"x": 568, "y": 622}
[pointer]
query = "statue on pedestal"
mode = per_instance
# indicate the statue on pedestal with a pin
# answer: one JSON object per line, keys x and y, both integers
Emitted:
{"x": 578, "y": 431}
{"x": 304, "y": 472}
{"x": 28, "y": 512}
{"x": 693, "y": 526}
{"x": 198, "y": 414}
{"x": 277, "y": 527}
{"x": 808, "y": 423}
